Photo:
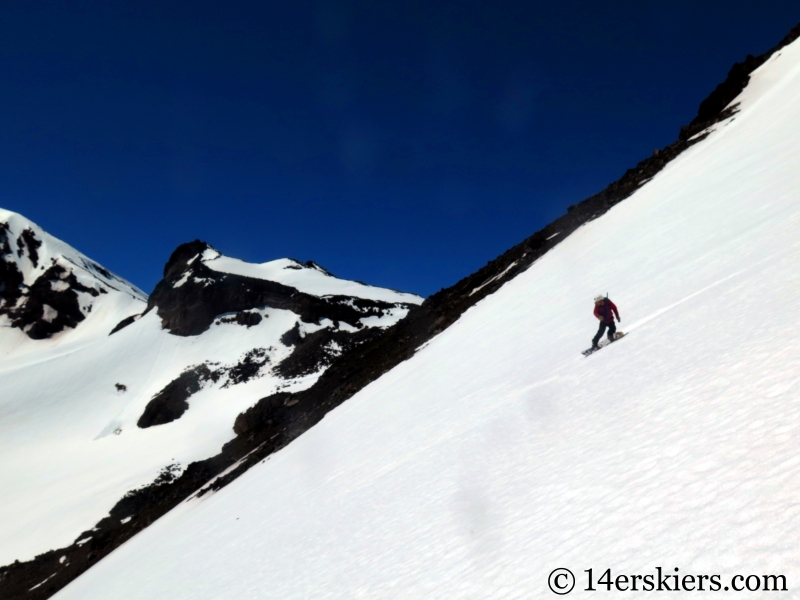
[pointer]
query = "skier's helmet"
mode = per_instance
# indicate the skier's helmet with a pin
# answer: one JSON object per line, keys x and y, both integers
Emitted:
{"x": 599, "y": 298}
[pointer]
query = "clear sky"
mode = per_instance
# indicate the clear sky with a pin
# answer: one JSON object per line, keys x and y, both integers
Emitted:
{"x": 403, "y": 144}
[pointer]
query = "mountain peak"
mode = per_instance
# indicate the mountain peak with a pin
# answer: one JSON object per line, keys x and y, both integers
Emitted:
{"x": 183, "y": 255}
{"x": 46, "y": 286}
{"x": 201, "y": 283}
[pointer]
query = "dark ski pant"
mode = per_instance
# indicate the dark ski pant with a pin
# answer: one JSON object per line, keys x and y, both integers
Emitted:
{"x": 612, "y": 328}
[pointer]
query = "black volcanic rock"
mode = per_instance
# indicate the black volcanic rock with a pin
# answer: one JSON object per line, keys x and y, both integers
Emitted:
{"x": 320, "y": 349}
{"x": 171, "y": 402}
{"x": 11, "y": 278}
{"x": 192, "y": 295}
{"x": 248, "y": 368}
{"x": 180, "y": 257}
{"x": 52, "y": 304}
{"x": 124, "y": 323}
{"x": 48, "y": 306}
{"x": 28, "y": 241}
{"x": 56, "y": 299}
{"x": 247, "y": 318}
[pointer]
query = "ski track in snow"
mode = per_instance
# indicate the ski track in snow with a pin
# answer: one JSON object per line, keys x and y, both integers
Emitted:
{"x": 498, "y": 453}
{"x": 661, "y": 311}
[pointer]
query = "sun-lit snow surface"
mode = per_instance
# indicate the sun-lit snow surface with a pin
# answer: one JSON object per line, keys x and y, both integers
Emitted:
{"x": 499, "y": 453}
{"x": 69, "y": 444}
{"x": 308, "y": 279}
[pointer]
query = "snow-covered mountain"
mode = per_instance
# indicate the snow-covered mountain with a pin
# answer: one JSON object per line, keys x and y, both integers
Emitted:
{"x": 48, "y": 289}
{"x": 106, "y": 391}
{"x": 477, "y": 450}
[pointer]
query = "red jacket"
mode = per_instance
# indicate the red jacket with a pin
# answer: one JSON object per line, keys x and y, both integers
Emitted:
{"x": 606, "y": 311}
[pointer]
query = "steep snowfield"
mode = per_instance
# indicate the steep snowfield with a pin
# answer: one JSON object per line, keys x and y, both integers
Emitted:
{"x": 499, "y": 453}
{"x": 70, "y": 447}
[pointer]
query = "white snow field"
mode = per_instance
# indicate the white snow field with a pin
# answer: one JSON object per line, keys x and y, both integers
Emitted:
{"x": 69, "y": 445}
{"x": 311, "y": 280}
{"x": 499, "y": 453}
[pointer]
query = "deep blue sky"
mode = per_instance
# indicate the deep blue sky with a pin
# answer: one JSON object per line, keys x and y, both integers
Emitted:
{"x": 404, "y": 144}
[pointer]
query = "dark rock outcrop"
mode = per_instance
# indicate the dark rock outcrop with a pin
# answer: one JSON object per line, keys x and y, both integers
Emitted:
{"x": 124, "y": 323}
{"x": 50, "y": 305}
{"x": 27, "y": 240}
{"x": 192, "y": 295}
{"x": 244, "y": 317}
{"x": 171, "y": 402}
{"x": 52, "y": 302}
{"x": 11, "y": 278}
{"x": 321, "y": 349}
{"x": 246, "y": 369}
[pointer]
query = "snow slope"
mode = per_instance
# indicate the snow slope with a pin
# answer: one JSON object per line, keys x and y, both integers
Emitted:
{"x": 498, "y": 453}
{"x": 310, "y": 279}
{"x": 72, "y": 443}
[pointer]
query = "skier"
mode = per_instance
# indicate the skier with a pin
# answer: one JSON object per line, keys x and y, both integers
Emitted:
{"x": 604, "y": 310}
